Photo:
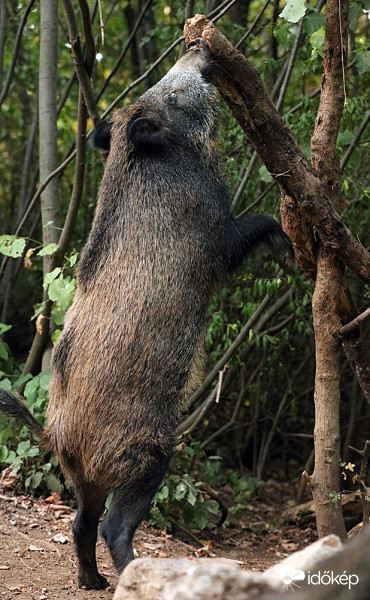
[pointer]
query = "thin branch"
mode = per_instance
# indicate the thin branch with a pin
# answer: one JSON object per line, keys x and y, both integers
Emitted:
{"x": 88, "y": 35}
{"x": 354, "y": 142}
{"x": 244, "y": 181}
{"x": 78, "y": 183}
{"x": 350, "y": 327}
{"x": 234, "y": 415}
{"x": 258, "y": 199}
{"x": 124, "y": 50}
{"x": 255, "y": 22}
{"x": 362, "y": 481}
{"x": 15, "y": 54}
{"x": 297, "y": 42}
{"x": 266, "y": 447}
{"x": 260, "y": 321}
{"x": 79, "y": 63}
{"x": 223, "y": 11}
{"x": 232, "y": 349}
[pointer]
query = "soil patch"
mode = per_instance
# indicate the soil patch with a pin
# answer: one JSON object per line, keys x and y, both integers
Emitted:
{"x": 38, "y": 562}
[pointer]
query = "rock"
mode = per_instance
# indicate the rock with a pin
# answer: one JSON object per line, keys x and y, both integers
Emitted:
{"x": 185, "y": 579}
{"x": 326, "y": 570}
{"x": 303, "y": 561}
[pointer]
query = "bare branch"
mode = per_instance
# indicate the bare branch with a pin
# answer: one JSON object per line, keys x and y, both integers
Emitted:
{"x": 355, "y": 141}
{"x": 15, "y": 54}
{"x": 124, "y": 49}
{"x": 350, "y": 327}
{"x": 253, "y": 25}
{"x": 78, "y": 61}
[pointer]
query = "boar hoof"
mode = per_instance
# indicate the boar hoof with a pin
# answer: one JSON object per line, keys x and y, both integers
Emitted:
{"x": 98, "y": 582}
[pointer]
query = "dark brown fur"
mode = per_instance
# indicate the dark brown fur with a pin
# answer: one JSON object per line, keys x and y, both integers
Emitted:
{"x": 162, "y": 239}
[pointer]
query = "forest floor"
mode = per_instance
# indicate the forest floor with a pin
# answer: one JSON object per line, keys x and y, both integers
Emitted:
{"x": 38, "y": 562}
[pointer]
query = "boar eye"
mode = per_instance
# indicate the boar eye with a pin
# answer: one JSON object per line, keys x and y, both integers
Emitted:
{"x": 172, "y": 97}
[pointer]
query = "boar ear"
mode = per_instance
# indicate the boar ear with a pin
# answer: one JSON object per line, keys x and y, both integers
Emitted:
{"x": 100, "y": 138}
{"x": 146, "y": 134}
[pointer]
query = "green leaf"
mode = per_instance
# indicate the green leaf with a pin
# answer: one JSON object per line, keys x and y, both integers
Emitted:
{"x": 12, "y": 246}
{"x": 23, "y": 447}
{"x": 264, "y": 175}
{"x": 73, "y": 259}
{"x": 3, "y": 453}
{"x": 201, "y": 516}
{"x": 317, "y": 41}
{"x": 6, "y": 384}
{"x": 180, "y": 491}
{"x": 53, "y": 483}
{"x": 34, "y": 451}
{"x": 162, "y": 494}
{"x": 212, "y": 506}
{"x": 44, "y": 380}
{"x": 4, "y": 328}
{"x": 355, "y": 10}
{"x": 191, "y": 498}
{"x": 38, "y": 308}
{"x": 49, "y": 249}
{"x": 4, "y": 350}
{"x": 294, "y": 11}
{"x": 283, "y": 35}
{"x": 35, "y": 480}
{"x": 56, "y": 335}
{"x": 58, "y": 315}
{"x": 49, "y": 277}
{"x": 10, "y": 459}
{"x": 363, "y": 62}
{"x": 313, "y": 21}
{"x": 61, "y": 291}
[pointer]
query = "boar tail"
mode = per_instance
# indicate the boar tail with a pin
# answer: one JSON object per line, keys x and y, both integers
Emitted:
{"x": 15, "y": 406}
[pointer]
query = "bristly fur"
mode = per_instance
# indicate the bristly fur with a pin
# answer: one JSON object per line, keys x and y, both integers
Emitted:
{"x": 131, "y": 351}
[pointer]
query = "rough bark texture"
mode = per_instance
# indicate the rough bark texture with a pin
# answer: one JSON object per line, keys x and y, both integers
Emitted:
{"x": 326, "y": 301}
{"x": 50, "y": 210}
{"x": 242, "y": 88}
{"x": 326, "y": 477}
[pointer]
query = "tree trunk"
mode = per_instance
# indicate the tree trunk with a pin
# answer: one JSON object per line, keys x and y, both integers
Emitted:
{"x": 326, "y": 301}
{"x": 325, "y": 481}
{"x": 48, "y": 158}
{"x": 50, "y": 211}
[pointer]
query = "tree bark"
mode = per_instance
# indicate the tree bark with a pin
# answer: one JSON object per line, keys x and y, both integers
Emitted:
{"x": 326, "y": 301}
{"x": 50, "y": 211}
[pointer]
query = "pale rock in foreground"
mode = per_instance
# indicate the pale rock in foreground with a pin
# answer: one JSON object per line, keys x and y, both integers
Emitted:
{"x": 304, "y": 560}
{"x": 189, "y": 579}
{"x": 302, "y": 576}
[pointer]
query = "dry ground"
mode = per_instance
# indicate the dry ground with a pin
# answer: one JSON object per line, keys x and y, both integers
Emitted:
{"x": 37, "y": 559}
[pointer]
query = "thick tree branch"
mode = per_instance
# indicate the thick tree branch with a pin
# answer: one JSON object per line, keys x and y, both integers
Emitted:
{"x": 324, "y": 157}
{"x": 242, "y": 88}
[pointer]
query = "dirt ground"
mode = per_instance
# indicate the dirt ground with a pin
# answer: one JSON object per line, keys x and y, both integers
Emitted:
{"x": 37, "y": 559}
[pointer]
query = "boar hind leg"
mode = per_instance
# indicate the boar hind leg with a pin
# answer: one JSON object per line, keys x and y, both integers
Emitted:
{"x": 128, "y": 509}
{"x": 91, "y": 502}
